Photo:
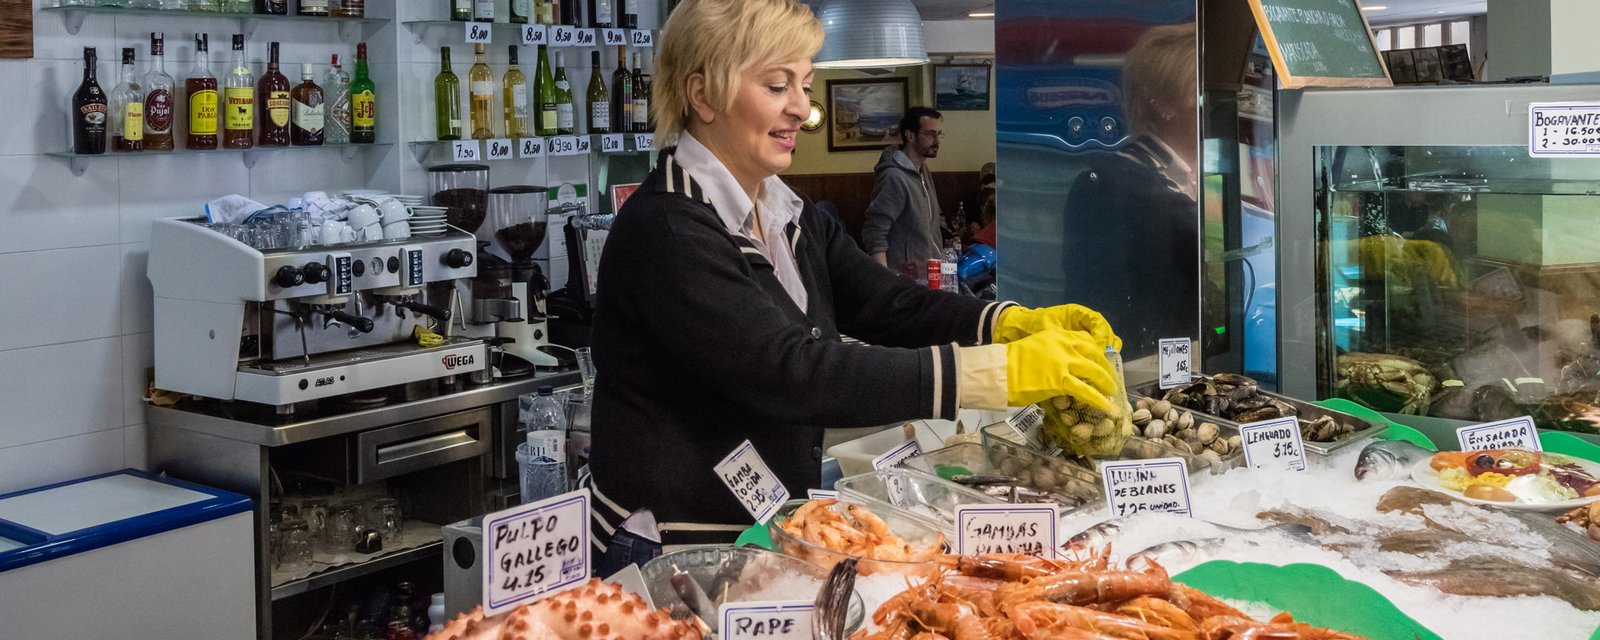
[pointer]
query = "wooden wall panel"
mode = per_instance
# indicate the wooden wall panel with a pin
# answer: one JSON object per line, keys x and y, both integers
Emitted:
{"x": 16, "y": 29}
{"x": 852, "y": 192}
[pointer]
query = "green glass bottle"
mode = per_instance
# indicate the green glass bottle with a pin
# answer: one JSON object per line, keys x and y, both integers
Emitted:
{"x": 446, "y": 99}
{"x": 546, "y": 125}
{"x": 363, "y": 101}
{"x": 566, "y": 119}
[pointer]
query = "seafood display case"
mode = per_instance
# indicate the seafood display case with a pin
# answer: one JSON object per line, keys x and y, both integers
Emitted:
{"x": 1448, "y": 273}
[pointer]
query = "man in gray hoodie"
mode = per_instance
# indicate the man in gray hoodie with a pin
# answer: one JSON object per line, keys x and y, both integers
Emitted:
{"x": 902, "y": 228}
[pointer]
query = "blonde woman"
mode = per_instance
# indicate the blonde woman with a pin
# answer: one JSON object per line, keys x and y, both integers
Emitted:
{"x": 723, "y": 295}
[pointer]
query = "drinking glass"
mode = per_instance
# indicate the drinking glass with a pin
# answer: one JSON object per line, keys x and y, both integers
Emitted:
{"x": 344, "y": 524}
{"x": 294, "y": 546}
{"x": 315, "y": 512}
{"x": 586, "y": 369}
{"x": 383, "y": 515}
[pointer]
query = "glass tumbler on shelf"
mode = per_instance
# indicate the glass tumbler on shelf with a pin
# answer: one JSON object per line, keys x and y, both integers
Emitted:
{"x": 315, "y": 512}
{"x": 383, "y": 514}
{"x": 294, "y": 546}
{"x": 344, "y": 523}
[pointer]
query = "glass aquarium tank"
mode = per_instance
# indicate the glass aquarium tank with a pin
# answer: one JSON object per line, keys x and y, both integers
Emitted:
{"x": 1459, "y": 281}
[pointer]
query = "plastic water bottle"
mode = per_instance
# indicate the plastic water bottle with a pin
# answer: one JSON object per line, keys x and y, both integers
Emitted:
{"x": 542, "y": 412}
{"x": 436, "y": 613}
{"x": 949, "y": 280}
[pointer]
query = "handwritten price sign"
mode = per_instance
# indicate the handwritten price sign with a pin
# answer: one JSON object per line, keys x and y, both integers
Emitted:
{"x": 501, "y": 149}
{"x": 1176, "y": 368}
{"x": 1274, "y": 444}
{"x": 615, "y": 37}
{"x": 563, "y": 36}
{"x": 1505, "y": 434}
{"x": 478, "y": 32}
{"x": 1160, "y": 484}
{"x": 585, "y": 38}
{"x": 644, "y": 141}
{"x": 533, "y": 34}
{"x": 1005, "y": 528}
{"x": 530, "y": 148}
{"x": 1564, "y": 130}
{"x": 535, "y": 549}
{"x": 643, "y": 38}
{"x": 464, "y": 150}
{"x": 611, "y": 143}
{"x": 779, "y": 620}
{"x": 752, "y": 482}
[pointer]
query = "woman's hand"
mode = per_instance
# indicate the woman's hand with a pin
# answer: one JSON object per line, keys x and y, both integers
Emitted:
{"x": 1016, "y": 323}
{"x": 1057, "y": 362}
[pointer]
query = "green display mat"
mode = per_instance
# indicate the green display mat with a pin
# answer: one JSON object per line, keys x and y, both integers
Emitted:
{"x": 1313, "y": 593}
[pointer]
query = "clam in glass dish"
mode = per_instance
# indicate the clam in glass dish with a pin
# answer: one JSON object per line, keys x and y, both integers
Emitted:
{"x": 826, "y": 532}
{"x": 726, "y": 574}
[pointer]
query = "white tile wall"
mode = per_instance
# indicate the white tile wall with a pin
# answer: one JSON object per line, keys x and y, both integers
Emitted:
{"x": 74, "y": 301}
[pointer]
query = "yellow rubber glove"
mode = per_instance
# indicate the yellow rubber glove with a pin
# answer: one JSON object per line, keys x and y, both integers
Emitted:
{"x": 1016, "y": 323}
{"x": 426, "y": 338}
{"x": 1056, "y": 362}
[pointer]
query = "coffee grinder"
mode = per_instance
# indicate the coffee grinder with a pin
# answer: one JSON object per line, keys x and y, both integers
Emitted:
{"x": 520, "y": 221}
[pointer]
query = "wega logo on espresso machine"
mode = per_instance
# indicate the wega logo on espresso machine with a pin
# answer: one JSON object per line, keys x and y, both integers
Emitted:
{"x": 457, "y": 360}
{"x": 1060, "y": 93}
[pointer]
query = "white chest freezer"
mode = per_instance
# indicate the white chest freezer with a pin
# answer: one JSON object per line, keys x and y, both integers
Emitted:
{"x": 126, "y": 555}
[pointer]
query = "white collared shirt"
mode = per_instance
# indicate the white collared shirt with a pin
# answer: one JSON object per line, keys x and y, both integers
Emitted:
{"x": 779, "y": 207}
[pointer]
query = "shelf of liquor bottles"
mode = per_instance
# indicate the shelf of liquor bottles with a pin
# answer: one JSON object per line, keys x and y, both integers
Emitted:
{"x": 531, "y": 147}
{"x": 349, "y": 28}
{"x": 536, "y": 34}
{"x": 80, "y": 161}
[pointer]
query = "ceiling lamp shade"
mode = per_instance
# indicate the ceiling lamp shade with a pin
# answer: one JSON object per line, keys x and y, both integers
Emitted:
{"x": 870, "y": 34}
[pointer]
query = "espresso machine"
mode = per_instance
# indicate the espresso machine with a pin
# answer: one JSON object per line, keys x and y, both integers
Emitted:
{"x": 520, "y": 223}
{"x": 282, "y": 326}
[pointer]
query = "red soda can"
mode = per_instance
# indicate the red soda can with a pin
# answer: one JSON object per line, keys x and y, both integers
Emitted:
{"x": 935, "y": 275}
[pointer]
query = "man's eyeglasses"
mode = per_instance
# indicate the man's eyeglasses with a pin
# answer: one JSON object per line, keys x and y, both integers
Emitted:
{"x": 936, "y": 135}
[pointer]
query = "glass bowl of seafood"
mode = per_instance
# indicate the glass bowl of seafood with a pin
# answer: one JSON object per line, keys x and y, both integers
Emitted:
{"x": 1512, "y": 478}
{"x": 824, "y": 532}
{"x": 916, "y": 495}
{"x": 694, "y": 583}
{"x": 1012, "y": 461}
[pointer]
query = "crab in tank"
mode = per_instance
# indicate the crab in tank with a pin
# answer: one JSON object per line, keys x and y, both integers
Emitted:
{"x": 1385, "y": 382}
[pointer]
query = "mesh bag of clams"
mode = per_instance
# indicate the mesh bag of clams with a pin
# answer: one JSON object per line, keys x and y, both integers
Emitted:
{"x": 1180, "y": 429}
{"x": 1083, "y": 430}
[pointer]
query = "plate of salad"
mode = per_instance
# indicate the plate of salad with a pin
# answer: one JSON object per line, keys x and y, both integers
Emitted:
{"x": 1512, "y": 478}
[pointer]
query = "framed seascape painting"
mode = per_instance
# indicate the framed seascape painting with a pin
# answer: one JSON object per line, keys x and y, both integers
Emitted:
{"x": 864, "y": 113}
{"x": 961, "y": 87}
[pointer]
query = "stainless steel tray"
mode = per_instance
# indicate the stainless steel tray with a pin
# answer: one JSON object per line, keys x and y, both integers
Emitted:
{"x": 1225, "y": 428}
{"x": 1304, "y": 410}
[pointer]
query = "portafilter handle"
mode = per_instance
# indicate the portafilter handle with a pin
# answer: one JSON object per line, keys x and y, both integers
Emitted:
{"x": 442, "y": 314}
{"x": 359, "y": 323}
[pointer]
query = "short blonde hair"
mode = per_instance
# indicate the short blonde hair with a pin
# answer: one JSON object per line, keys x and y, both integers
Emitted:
{"x": 722, "y": 39}
{"x": 1159, "y": 76}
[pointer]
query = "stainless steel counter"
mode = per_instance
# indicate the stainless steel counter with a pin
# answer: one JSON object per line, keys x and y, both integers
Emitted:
{"x": 260, "y": 425}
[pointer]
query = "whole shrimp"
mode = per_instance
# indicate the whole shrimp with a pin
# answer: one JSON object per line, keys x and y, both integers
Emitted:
{"x": 1085, "y": 588}
{"x": 1047, "y": 619}
{"x": 1010, "y": 567}
{"x": 1282, "y": 627}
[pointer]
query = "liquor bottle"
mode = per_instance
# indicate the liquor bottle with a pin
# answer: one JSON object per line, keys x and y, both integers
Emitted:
{"x": 566, "y": 118}
{"x": 336, "y": 91}
{"x": 641, "y": 98}
{"x": 481, "y": 87}
{"x": 572, "y": 12}
{"x": 599, "y": 100}
{"x": 200, "y": 89}
{"x": 313, "y": 8}
{"x": 621, "y": 94}
{"x": 514, "y": 95}
{"x": 272, "y": 93}
{"x": 602, "y": 13}
{"x": 630, "y": 14}
{"x": 363, "y": 102}
{"x": 239, "y": 98}
{"x": 461, "y": 10}
{"x": 545, "y": 87}
{"x": 273, "y": 7}
{"x": 521, "y": 11}
{"x": 350, "y": 9}
{"x": 544, "y": 11}
{"x": 309, "y": 111}
{"x": 157, "y": 87}
{"x": 89, "y": 110}
{"x": 127, "y": 108}
{"x": 446, "y": 100}
{"x": 483, "y": 10}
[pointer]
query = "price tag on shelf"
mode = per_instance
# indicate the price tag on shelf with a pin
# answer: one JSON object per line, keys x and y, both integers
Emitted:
{"x": 1274, "y": 443}
{"x": 534, "y": 550}
{"x": 891, "y": 459}
{"x": 479, "y": 32}
{"x": 584, "y": 145}
{"x": 1027, "y": 421}
{"x": 563, "y": 35}
{"x": 1506, "y": 434}
{"x": 611, "y": 143}
{"x": 752, "y": 482}
{"x": 1159, "y": 484}
{"x": 533, "y": 34}
{"x": 1564, "y": 130}
{"x": 585, "y": 38}
{"x": 1176, "y": 368}
{"x": 530, "y": 148}
{"x": 775, "y": 620}
{"x": 1007, "y": 528}
{"x": 614, "y": 37}
{"x": 464, "y": 150}
{"x": 502, "y": 149}
{"x": 642, "y": 38}
{"x": 562, "y": 145}
{"x": 644, "y": 141}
